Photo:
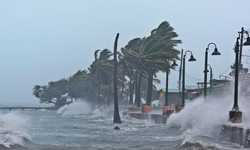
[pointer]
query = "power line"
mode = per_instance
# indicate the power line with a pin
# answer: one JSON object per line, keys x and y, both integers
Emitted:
{"x": 224, "y": 71}
{"x": 190, "y": 79}
{"x": 194, "y": 77}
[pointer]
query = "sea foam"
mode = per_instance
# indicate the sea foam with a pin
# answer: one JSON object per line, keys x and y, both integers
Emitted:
{"x": 76, "y": 108}
{"x": 203, "y": 116}
{"x": 13, "y": 129}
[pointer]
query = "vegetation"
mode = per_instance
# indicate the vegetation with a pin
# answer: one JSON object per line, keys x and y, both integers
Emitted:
{"x": 139, "y": 55}
{"x": 101, "y": 69}
{"x": 58, "y": 92}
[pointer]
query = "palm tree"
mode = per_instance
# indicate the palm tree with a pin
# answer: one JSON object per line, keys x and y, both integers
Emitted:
{"x": 117, "y": 118}
{"x": 78, "y": 85}
{"x": 101, "y": 68}
{"x": 154, "y": 50}
{"x": 125, "y": 64}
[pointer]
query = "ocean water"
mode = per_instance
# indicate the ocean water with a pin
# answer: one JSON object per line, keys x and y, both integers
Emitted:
{"x": 76, "y": 127}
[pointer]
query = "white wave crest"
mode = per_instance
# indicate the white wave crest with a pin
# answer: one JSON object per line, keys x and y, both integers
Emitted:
{"x": 12, "y": 129}
{"x": 96, "y": 113}
{"x": 76, "y": 108}
{"x": 201, "y": 116}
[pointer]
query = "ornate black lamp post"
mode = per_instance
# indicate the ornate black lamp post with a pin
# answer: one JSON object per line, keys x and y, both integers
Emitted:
{"x": 211, "y": 78}
{"x": 166, "y": 107}
{"x": 235, "y": 115}
{"x": 167, "y": 72}
{"x": 183, "y": 76}
{"x": 148, "y": 94}
{"x": 241, "y": 34}
{"x": 205, "y": 71}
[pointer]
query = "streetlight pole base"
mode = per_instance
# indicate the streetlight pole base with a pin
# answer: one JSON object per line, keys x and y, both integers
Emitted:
{"x": 235, "y": 116}
{"x": 178, "y": 108}
{"x": 147, "y": 109}
{"x": 164, "y": 109}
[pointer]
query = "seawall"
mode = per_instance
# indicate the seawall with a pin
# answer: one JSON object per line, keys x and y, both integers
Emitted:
{"x": 235, "y": 134}
{"x": 155, "y": 118}
{"x": 230, "y": 133}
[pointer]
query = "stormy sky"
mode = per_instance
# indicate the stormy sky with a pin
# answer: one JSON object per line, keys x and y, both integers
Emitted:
{"x": 42, "y": 41}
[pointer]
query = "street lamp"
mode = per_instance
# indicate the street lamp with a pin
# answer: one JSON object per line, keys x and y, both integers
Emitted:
{"x": 167, "y": 68}
{"x": 183, "y": 76}
{"x": 166, "y": 106}
{"x": 205, "y": 71}
{"x": 211, "y": 79}
{"x": 235, "y": 115}
{"x": 235, "y": 106}
{"x": 241, "y": 33}
{"x": 149, "y": 74}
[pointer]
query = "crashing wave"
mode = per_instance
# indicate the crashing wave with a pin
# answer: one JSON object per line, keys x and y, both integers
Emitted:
{"x": 201, "y": 116}
{"x": 77, "y": 108}
{"x": 12, "y": 130}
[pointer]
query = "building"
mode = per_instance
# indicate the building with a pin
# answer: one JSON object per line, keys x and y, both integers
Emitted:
{"x": 174, "y": 97}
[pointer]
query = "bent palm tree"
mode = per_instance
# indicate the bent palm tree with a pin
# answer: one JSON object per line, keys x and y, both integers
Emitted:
{"x": 154, "y": 50}
{"x": 117, "y": 118}
{"x": 101, "y": 68}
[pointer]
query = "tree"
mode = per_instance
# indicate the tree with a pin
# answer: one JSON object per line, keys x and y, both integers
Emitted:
{"x": 138, "y": 55}
{"x": 126, "y": 64}
{"x": 78, "y": 85}
{"x": 154, "y": 50}
{"x": 52, "y": 93}
{"x": 117, "y": 118}
{"x": 58, "y": 92}
{"x": 100, "y": 69}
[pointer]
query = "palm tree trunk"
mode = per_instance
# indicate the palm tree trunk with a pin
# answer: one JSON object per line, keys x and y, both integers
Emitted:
{"x": 99, "y": 87}
{"x": 117, "y": 118}
{"x": 132, "y": 91}
{"x": 139, "y": 89}
{"x": 123, "y": 72}
{"x": 151, "y": 85}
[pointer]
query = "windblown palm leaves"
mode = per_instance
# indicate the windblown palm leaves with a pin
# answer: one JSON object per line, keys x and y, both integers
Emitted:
{"x": 79, "y": 85}
{"x": 101, "y": 68}
{"x": 154, "y": 50}
{"x": 138, "y": 55}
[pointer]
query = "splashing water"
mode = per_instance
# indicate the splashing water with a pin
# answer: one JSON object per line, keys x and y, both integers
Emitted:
{"x": 202, "y": 116}
{"x": 77, "y": 108}
{"x": 12, "y": 129}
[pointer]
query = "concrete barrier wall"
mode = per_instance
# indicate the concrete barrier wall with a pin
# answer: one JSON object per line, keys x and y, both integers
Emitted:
{"x": 235, "y": 134}
{"x": 156, "y": 118}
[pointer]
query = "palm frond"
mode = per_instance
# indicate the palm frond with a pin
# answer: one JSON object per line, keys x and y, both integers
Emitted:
{"x": 96, "y": 54}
